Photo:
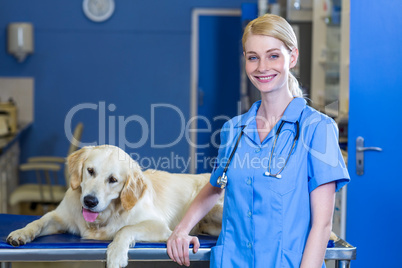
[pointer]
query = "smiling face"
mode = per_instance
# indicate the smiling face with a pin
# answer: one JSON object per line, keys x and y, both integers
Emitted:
{"x": 268, "y": 61}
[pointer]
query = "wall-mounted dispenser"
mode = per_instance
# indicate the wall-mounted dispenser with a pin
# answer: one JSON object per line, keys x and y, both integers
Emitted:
{"x": 20, "y": 40}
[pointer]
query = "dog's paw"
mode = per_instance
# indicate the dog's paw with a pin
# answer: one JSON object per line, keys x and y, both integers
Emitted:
{"x": 117, "y": 255}
{"x": 20, "y": 237}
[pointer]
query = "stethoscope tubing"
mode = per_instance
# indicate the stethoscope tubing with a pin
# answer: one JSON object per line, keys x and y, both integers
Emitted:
{"x": 277, "y": 175}
{"x": 222, "y": 180}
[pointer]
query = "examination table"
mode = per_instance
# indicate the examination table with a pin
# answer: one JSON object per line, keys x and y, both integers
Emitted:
{"x": 67, "y": 247}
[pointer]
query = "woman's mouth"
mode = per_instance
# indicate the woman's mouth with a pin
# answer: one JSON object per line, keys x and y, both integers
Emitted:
{"x": 265, "y": 79}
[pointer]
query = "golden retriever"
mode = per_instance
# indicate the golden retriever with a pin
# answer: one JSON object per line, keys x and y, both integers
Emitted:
{"x": 110, "y": 198}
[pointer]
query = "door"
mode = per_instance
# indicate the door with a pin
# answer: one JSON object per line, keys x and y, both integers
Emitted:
{"x": 374, "y": 206}
{"x": 219, "y": 82}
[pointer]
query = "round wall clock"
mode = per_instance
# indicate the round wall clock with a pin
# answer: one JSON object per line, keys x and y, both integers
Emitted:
{"x": 98, "y": 10}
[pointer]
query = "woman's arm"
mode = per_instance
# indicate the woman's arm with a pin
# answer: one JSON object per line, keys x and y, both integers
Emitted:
{"x": 322, "y": 201}
{"x": 179, "y": 241}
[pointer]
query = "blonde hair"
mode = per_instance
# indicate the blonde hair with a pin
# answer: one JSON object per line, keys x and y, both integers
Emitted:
{"x": 277, "y": 27}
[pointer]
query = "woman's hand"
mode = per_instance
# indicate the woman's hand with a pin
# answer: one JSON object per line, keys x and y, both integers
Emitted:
{"x": 179, "y": 241}
{"x": 178, "y": 245}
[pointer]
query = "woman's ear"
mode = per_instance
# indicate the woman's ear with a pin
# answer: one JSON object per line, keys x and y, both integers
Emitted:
{"x": 294, "y": 55}
{"x": 133, "y": 189}
{"x": 75, "y": 162}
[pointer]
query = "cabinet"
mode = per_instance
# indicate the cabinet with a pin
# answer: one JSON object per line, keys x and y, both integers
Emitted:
{"x": 330, "y": 57}
{"x": 330, "y": 77}
{"x": 9, "y": 162}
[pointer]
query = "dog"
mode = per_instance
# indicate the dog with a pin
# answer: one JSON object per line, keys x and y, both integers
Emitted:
{"x": 111, "y": 198}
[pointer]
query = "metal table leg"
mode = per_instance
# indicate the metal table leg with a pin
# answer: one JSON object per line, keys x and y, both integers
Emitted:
{"x": 342, "y": 263}
{"x": 5, "y": 264}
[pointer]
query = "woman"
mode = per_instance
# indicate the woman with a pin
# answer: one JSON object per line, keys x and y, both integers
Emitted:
{"x": 282, "y": 179}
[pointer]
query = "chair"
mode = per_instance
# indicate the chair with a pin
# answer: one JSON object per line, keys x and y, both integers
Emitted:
{"x": 47, "y": 190}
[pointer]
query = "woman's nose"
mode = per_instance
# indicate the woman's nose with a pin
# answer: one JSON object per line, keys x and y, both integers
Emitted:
{"x": 263, "y": 66}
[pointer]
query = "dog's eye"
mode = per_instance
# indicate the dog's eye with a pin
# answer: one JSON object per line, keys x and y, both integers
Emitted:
{"x": 90, "y": 171}
{"x": 112, "y": 179}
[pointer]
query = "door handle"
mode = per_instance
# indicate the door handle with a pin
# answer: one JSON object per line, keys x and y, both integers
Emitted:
{"x": 360, "y": 149}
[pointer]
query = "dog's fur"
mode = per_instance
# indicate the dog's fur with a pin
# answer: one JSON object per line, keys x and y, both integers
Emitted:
{"x": 132, "y": 205}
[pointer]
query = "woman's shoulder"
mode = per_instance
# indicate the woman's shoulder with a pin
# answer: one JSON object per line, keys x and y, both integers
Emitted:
{"x": 233, "y": 126}
{"x": 242, "y": 119}
{"x": 314, "y": 122}
{"x": 313, "y": 117}
{"x": 232, "y": 123}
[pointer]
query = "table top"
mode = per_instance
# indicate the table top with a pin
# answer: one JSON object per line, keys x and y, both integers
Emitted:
{"x": 68, "y": 247}
{"x": 7, "y": 141}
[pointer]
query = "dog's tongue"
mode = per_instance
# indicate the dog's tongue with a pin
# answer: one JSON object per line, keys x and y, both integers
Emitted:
{"x": 89, "y": 216}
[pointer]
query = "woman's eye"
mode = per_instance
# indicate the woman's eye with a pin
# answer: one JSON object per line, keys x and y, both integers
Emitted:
{"x": 90, "y": 171}
{"x": 112, "y": 180}
{"x": 252, "y": 58}
{"x": 274, "y": 56}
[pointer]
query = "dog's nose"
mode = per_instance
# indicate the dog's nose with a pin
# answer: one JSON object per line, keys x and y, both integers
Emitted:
{"x": 90, "y": 201}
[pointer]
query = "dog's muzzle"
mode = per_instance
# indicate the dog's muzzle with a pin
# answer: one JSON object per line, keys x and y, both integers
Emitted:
{"x": 91, "y": 201}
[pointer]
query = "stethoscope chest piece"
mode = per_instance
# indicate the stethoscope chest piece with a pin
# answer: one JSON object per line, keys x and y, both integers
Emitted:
{"x": 277, "y": 176}
{"x": 222, "y": 180}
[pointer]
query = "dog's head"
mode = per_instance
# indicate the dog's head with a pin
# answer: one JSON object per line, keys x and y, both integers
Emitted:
{"x": 105, "y": 173}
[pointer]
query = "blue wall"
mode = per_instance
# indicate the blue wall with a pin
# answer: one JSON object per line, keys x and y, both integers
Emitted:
{"x": 139, "y": 57}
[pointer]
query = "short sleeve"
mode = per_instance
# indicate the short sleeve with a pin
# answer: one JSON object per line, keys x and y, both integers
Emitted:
{"x": 325, "y": 161}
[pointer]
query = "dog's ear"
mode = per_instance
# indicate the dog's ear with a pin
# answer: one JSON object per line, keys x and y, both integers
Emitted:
{"x": 133, "y": 189}
{"x": 75, "y": 162}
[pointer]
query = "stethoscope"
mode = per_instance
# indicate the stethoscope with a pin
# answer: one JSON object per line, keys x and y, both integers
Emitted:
{"x": 223, "y": 179}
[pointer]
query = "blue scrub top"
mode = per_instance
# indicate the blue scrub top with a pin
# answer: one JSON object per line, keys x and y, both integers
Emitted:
{"x": 266, "y": 220}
